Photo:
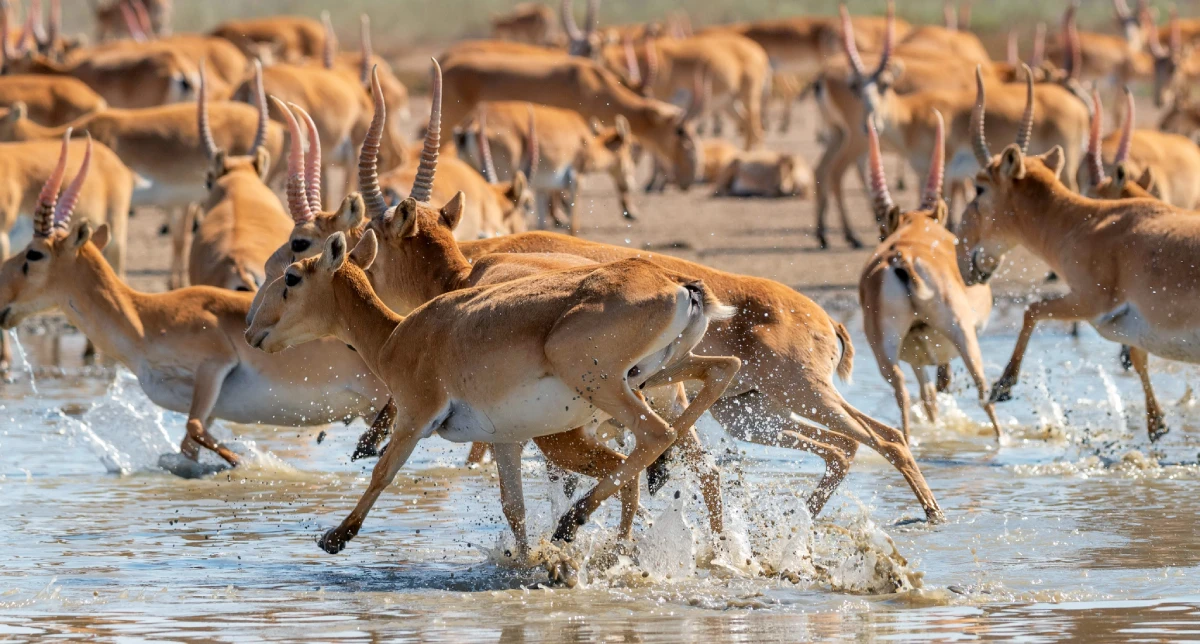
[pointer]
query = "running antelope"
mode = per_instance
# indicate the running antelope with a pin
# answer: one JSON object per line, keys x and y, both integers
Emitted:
{"x": 186, "y": 347}
{"x": 1100, "y": 248}
{"x": 241, "y": 222}
{"x": 554, "y": 148}
{"x": 571, "y": 83}
{"x": 49, "y": 100}
{"x": 916, "y": 307}
{"x": 1162, "y": 163}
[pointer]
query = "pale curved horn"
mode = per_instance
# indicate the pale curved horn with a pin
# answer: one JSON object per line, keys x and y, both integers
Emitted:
{"x": 1012, "y": 53}
{"x": 260, "y": 101}
{"x": 591, "y": 19}
{"x": 55, "y": 21}
{"x": 532, "y": 144}
{"x": 143, "y": 17}
{"x": 937, "y": 165}
{"x": 632, "y": 68}
{"x": 567, "y": 15}
{"x": 485, "y": 147}
{"x": 131, "y": 22}
{"x": 964, "y": 16}
{"x": 297, "y": 196}
{"x": 1073, "y": 53}
{"x": 312, "y": 160}
{"x": 978, "y": 140}
{"x": 889, "y": 34}
{"x": 1039, "y": 45}
{"x": 1121, "y": 8}
{"x": 1126, "y": 130}
{"x": 35, "y": 20}
{"x": 848, "y": 44}
{"x": 1175, "y": 36}
{"x": 368, "y": 158}
{"x": 422, "y": 190}
{"x": 205, "y": 127}
{"x": 364, "y": 45}
{"x": 43, "y": 214}
{"x": 1095, "y": 160}
{"x": 1025, "y": 131}
{"x": 329, "y": 49}
{"x": 949, "y": 15}
{"x": 66, "y": 204}
{"x": 1153, "y": 39}
{"x": 881, "y": 198}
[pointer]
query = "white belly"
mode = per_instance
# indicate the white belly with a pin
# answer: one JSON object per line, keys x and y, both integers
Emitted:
{"x": 1127, "y": 325}
{"x": 536, "y": 408}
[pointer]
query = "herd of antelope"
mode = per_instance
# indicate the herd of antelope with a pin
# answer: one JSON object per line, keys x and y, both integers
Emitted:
{"x": 414, "y": 294}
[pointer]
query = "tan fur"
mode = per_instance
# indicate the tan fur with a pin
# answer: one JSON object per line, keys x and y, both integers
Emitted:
{"x": 49, "y": 100}
{"x": 528, "y": 22}
{"x": 759, "y": 173}
{"x": 226, "y": 65}
{"x": 801, "y": 44}
{"x": 288, "y": 39}
{"x": 123, "y": 79}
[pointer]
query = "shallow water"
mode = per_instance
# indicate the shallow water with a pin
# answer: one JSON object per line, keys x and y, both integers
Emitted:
{"x": 1075, "y": 528}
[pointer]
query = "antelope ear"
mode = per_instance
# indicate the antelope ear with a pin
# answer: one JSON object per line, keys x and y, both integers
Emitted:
{"x": 891, "y": 220}
{"x": 519, "y": 185}
{"x": 334, "y": 254}
{"x": 352, "y": 212}
{"x": 81, "y": 234}
{"x": 262, "y": 162}
{"x": 1012, "y": 164}
{"x": 594, "y": 123}
{"x": 1120, "y": 175}
{"x": 101, "y": 236}
{"x": 1056, "y": 160}
{"x": 18, "y": 111}
{"x": 623, "y": 128}
{"x": 1149, "y": 181}
{"x": 941, "y": 212}
{"x": 364, "y": 252}
{"x": 452, "y": 212}
{"x": 404, "y": 218}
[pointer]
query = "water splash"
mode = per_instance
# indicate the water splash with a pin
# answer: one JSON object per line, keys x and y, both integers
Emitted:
{"x": 1116, "y": 406}
{"x": 22, "y": 359}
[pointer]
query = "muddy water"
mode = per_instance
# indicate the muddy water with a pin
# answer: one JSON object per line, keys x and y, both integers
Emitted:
{"x": 1075, "y": 527}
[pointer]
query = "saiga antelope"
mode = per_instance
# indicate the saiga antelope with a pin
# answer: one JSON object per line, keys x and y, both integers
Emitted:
{"x": 241, "y": 222}
{"x": 1163, "y": 163}
{"x": 1176, "y": 66}
{"x": 1118, "y": 59}
{"x": 153, "y": 17}
{"x": 50, "y": 100}
{"x": 145, "y": 80}
{"x": 186, "y": 347}
{"x": 571, "y": 83}
{"x": 916, "y": 307}
{"x": 287, "y": 39}
{"x": 1123, "y": 184}
{"x": 1102, "y": 249}
{"x": 555, "y": 148}
{"x": 529, "y": 22}
{"x": 757, "y": 173}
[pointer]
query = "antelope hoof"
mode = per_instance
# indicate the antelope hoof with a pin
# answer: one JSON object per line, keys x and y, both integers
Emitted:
{"x": 935, "y": 516}
{"x": 658, "y": 473}
{"x": 364, "y": 450}
{"x": 822, "y": 243}
{"x": 569, "y": 524}
{"x": 853, "y": 241}
{"x": 1002, "y": 391}
{"x": 1126, "y": 359}
{"x": 1157, "y": 428}
{"x": 562, "y": 569}
{"x": 186, "y": 468}
{"x": 333, "y": 541}
{"x": 629, "y": 214}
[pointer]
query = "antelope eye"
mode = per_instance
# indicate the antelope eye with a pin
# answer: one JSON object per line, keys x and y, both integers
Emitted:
{"x": 34, "y": 255}
{"x": 291, "y": 279}
{"x": 300, "y": 245}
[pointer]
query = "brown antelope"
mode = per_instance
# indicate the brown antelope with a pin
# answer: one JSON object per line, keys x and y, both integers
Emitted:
{"x": 151, "y": 17}
{"x": 758, "y": 173}
{"x": 737, "y": 67}
{"x": 1164, "y": 164}
{"x": 1100, "y": 248}
{"x": 586, "y": 42}
{"x": 916, "y": 307}
{"x": 123, "y": 80}
{"x": 50, "y": 100}
{"x": 554, "y": 148}
{"x": 571, "y": 83}
{"x": 241, "y": 222}
{"x": 1123, "y": 184}
{"x": 185, "y": 347}
{"x": 358, "y": 67}
{"x": 1118, "y": 59}
{"x": 529, "y": 22}
{"x": 287, "y": 39}
{"x": 1176, "y": 66}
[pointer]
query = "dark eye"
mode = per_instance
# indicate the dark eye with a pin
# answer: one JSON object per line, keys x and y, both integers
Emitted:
{"x": 300, "y": 245}
{"x": 979, "y": 190}
{"x": 34, "y": 255}
{"x": 291, "y": 279}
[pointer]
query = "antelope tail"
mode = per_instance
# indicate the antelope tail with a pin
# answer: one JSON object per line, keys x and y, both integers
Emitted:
{"x": 845, "y": 365}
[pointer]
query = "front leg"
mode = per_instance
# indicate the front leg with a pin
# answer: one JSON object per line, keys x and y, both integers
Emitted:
{"x": 1069, "y": 307}
{"x": 206, "y": 390}
{"x": 394, "y": 456}
{"x": 381, "y": 427}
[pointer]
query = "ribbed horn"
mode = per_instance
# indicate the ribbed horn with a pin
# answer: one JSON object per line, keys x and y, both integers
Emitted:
{"x": 1025, "y": 131}
{"x": 964, "y": 17}
{"x": 949, "y": 16}
{"x": 937, "y": 165}
{"x": 204, "y": 126}
{"x": 364, "y": 45}
{"x": 1126, "y": 130}
{"x": 143, "y": 17}
{"x": 297, "y": 196}
{"x": 591, "y": 19}
{"x": 35, "y": 19}
{"x": 312, "y": 160}
{"x": 66, "y": 204}
{"x": 1095, "y": 160}
{"x": 1121, "y": 8}
{"x": 43, "y": 214}
{"x": 632, "y": 68}
{"x": 422, "y": 190}
{"x": 532, "y": 144}
{"x": 889, "y": 34}
{"x": 567, "y": 15}
{"x": 848, "y": 44}
{"x": 55, "y": 22}
{"x": 1039, "y": 46}
{"x": 368, "y": 158}
{"x": 131, "y": 22}
{"x": 260, "y": 101}
{"x": 1153, "y": 40}
{"x": 485, "y": 147}
{"x": 1175, "y": 35}
{"x": 1073, "y": 54}
{"x": 1012, "y": 53}
{"x": 330, "y": 48}
{"x": 978, "y": 140}
{"x": 881, "y": 198}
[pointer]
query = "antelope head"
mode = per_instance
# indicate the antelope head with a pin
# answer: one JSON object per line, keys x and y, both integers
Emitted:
{"x": 1123, "y": 184}
{"x": 30, "y": 280}
{"x": 1129, "y": 22}
{"x": 588, "y": 42}
{"x": 984, "y": 235}
{"x": 1167, "y": 60}
{"x": 871, "y": 86}
{"x": 221, "y": 164}
{"x": 300, "y": 306}
{"x": 933, "y": 208}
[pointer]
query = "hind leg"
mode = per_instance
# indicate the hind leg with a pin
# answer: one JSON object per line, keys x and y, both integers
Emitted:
{"x": 580, "y": 452}
{"x": 1156, "y": 425}
{"x": 928, "y": 396}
